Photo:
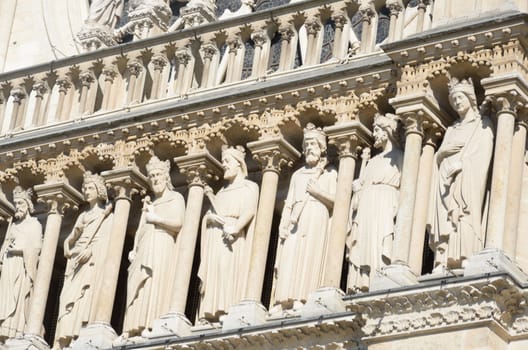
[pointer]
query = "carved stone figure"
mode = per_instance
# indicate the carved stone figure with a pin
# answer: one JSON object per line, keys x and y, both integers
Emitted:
{"x": 459, "y": 181}
{"x": 18, "y": 259}
{"x": 227, "y": 234}
{"x": 375, "y": 205}
{"x": 85, "y": 249}
{"x": 305, "y": 223}
{"x": 105, "y": 12}
{"x": 152, "y": 267}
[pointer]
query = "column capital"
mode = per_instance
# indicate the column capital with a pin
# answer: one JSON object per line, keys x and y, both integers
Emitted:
{"x": 286, "y": 33}
{"x": 87, "y": 78}
{"x": 273, "y": 153}
{"x": 394, "y": 6}
{"x": 260, "y": 37}
{"x": 313, "y": 26}
{"x": 340, "y": 19}
{"x": 183, "y": 56}
{"x": 58, "y": 196}
{"x": 200, "y": 168}
{"x": 507, "y": 93}
{"x": 18, "y": 94}
{"x": 208, "y": 50}
{"x": 159, "y": 62}
{"x": 109, "y": 74}
{"x": 349, "y": 137}
{"x": 40, "y": 88}
{"x": 135, "y": 67}
{"x": 367, "y": 10}
{"x": 64, "y": 84}
{"x": 126, "y": 182}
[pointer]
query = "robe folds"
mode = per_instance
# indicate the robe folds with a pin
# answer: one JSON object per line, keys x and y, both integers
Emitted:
{"x": 18, "y": 275}
{"x": 151, "y": 274}
{"x": 224, "y": 264}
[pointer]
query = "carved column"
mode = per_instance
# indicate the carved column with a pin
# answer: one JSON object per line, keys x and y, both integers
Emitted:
{"x": 210, "y": 64}
{"x": 314, "y": 44}
{"x": 506, "y": 113}
{"x": 59, "y": 197}
{"x": 18, "y": 94}
{"x": 235, "y": 60}
{"x": 199, "y": 168}
{"x": 368, "y": 33}
{"x": 395, "y": 7}
{"x": 513, "y": 204}
{"x": 408, "y": 185}
{"x": 423, "y": 192}
{"x": 126, "y": 182}
{"x": 86, "y": 78}
{"x": 422, "y": 7}
{"x": 349, "y": 138}
{"x": 109, "y": 75}
{"x": 262, "y": 52}
{"x": 288, "y": 48}
{"x": 272, "y": 154}
{"x": 40, "y": 89}
{"x": 64, "y": 85}
{"x": 134, "y": 69}
{"x": 342, "y": 24}
{"x": 159, "y": 62}
{"x": 185, "y": 71}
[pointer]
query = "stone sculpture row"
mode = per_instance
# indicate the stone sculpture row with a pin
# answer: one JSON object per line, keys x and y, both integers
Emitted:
{"x": 454, "y": 226}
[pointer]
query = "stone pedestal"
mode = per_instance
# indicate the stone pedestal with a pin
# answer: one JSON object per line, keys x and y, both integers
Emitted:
{"x": 95, "y": 336}
{"x": 197, "y": 14}
{"x": 172, "y": 324}
{"x": 148, "y": 20}
{"x": 324, "y": 301}
{"x": 392, "y": 276}
{"x": 247, "y": 313}
{"x": 27, "y": 342}
{"x": 93, "y": 37}
{"x": 492, "y": 260}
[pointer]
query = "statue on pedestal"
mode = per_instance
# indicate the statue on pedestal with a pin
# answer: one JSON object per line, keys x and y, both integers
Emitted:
{"x": 375, "y": 205}
{"x": 459, "y": 181}
{"x": 18, "y": 265}
{"x": 85, "y": 249}
{"x": 152, "y": 260}
{"x": 227, "y": 234}
{"x": 305, "y": 223}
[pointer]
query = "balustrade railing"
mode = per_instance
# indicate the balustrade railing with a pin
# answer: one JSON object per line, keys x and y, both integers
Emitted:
{"x": 245, "y": 48}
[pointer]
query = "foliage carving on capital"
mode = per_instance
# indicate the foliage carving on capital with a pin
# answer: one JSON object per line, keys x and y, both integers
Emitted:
{"x": 415, "y": 123}
{"x": 40, "y": 88}
{"x": 134, "y": 68}
{"x": 58, "y": 197}
{"x": 367, "y": 10}
{"x": 64, "y": 84}
{"x": 159, "y": 62}
{"x": 508, "y": 102}
{"x": 209, "y": 50}
{"x": 87, "y": 78}
{"x": 286, "y": 33}
{"x": 18, "y": 94}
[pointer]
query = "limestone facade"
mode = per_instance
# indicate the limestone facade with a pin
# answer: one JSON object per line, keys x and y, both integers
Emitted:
{"x": 341, "y": 115}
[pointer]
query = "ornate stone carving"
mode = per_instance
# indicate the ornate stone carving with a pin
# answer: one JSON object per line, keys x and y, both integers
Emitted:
{"x": 459, "y": 181}
{"x": 304, "y": 224}
{"x": 227, "y": 236}
{"x": 151, "y": 273}
{"x": 374, "y": 205}
{"x": 85, "y": 249}
{"x": 105, "y": 13}
{"x": 18, "y": 265}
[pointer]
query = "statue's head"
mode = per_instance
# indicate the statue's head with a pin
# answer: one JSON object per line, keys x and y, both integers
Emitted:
{"x": 158, "y": 172}
{"x": 22, "y": 201}
{"x": 94, "y": 182}
{"x": 385, "y": 128}
{"x": 233, "y": 161}
{"x": 462, "y": 95}
{"x": 314, "y": 144}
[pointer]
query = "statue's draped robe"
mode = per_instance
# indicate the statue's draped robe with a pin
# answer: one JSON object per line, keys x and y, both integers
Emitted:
{"x": 151, "y": 274}
{"x": 104, "y": 12}
{"x": 372, "y": 233}
{"x": 18, "y": 275}
{"x": 224, "y": 265}
{"x": 299, "y": 264}
{"x": 455, "y": 212}
{"x": 81, "y": 281}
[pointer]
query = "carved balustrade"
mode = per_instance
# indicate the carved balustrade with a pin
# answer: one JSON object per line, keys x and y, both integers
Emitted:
{"x": 181, "y": 64}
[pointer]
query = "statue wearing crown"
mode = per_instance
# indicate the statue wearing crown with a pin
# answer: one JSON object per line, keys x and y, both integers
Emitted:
{"x": 374, "y": 206}
{"x": 85, "y": 251}
{"x": 152, "y": 269}
{"x": 459, "y": 181}
{"x": 304, "y": 225}
{"x": 18, "y": 263}
{"x": 227, "y": 235}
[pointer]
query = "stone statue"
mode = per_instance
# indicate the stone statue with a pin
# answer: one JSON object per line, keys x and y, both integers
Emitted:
{"x": 459, "y": 181}
{"x": 227, "y": 234}
{"x": 374, "y": 205}
{"x": 305, "y": 224}
{"x": 152, "y": 268}
{"x": 105, "y": 13}
{"x": 18, "y": 264}
{"x": 85, "y": 249}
